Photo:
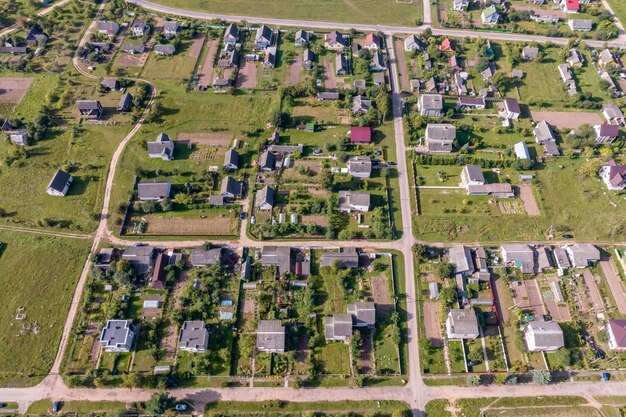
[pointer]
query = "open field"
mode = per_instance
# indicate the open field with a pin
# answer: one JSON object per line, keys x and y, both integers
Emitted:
{"x": 12, "y": 89}
{"x": 38, "y": 275}
{"x": 193, "y": 222}
{"x": 567, "y": 120}
{"x": 178, "y": 66}
{"x": 619, "y": 8}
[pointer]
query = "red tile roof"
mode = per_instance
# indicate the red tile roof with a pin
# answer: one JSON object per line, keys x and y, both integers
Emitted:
{"x": 372, "y": 38}
{"x": 360, "y": 134}
{"x": 446, "y": 45}
{"x": 572, "y": 4}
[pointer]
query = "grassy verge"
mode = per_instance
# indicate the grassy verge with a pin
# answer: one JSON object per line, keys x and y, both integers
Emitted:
{"x": 44, "y": 406}
{"x": 283, "y": 407}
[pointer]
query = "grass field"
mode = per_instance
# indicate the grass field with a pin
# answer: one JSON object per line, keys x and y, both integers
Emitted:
{"x": 619, "y": 8}
{"x": 44, "y": 406}
{"x": 38, "y": 275}
{"x": 335, "y": 358}
{"x": 326, "y": 407}
{"x": 343, "y": 11}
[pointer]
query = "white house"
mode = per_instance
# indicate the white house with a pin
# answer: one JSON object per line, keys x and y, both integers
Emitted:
{"x": 350, "y": 201}
{"x": 60, "y": 184}
{"x": 462, "y": 324}
{"x": 543, "y": 336}
{"x": 613, "y": 175}
{"x": 162, "y": 148}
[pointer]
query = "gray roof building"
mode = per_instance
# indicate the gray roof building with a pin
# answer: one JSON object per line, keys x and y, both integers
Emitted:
{"x": 264, "y": 37}
{"x": 430, "y": 105}
{"x": 108, "y": 27}
{"x": 440, "y": 137}
{"x": 140, "y": 258}
{"x": 461, "y": 258}
{"x": 350, "y": 201}
{"x": 153, "y": 190}
{"x": 231, "y": 35}
{"x": 279, "y": 256}
{"x": 543, "y": 132}
{"x": 231, "y": 159}
{"x": 347, "y": 258}
{"x": 521, "y": 256}
{"x": 543, "y": 336}
{"x": 201, "y": 257}
{"x": 90, "y": 108}
{"x": 341, "y": 65}
{"x": 264, "y": 198}
{"x": 231, "y": 188}
{"x": 59, "y": 184}
{"x": 109, "y": 83}
{"x": 194, "y": 337}
{"x": 126, "y": 103}
{"x": 164, "y": 49}
{"x": 134, "y": 48}
{"x": 267, "y": 161}
{"x": 462, "y": 324}
{"x": 117, "y": 336}
{"x": 270, "y": 336}
{"x": 360, "y": 166}
{"x": 530, "y": 52}
{"x": 19, "y": 137}
{"x": 170, "y": 28}
{"x": 364, "y": 313}
{"x": 582, "y": 255}
{"x": 338, "y": 327}
{"x": 360, "y": 105}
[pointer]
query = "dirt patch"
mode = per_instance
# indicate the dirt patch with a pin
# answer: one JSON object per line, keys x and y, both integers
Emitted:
{"x": 527, "y": 196}
{"x": 249, "y": 306}
{"x": 615, "y": 284}
{"x": 318, "y": 191}
{"x": 314, "y": 168}
{"x": 13, "y": 89}
{"x": 177, "y": 226}
{"x": 130, "y": 60}
{"x": 248, "y": 75}
{"x": 431, "y": 323}
{"x": 511, "y": 207}
{"x": 540, "y": 11}
{"x": 526, "y": 297}
{"x": 567, "y": 120}
{"x": 205, "y": 74}
{"x": 317, "y": 220}
{"x": 294, "y": 70}
{"x": 365, "y": 364}
{"x": 196, "y": 46}
{"x": 380, "y": 293}
{"x": 558, "y": 311}
{"x": 210, "y": 139}
{"x": 330, "y": 81}
{"x": 403, "y": 70}
{"x": 592, "y": 291}
{"x": 499, "y": 289}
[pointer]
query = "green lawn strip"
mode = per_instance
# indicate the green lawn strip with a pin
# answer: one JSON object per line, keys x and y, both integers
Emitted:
{"x": 455, "y": 350}
{"x": 584, "y": 411}
{"x": 612, "y": 399}
{"x": 40, "y": 292}
{"x": 334, "y": 357}
{"x": 473, "y": 407}
{"x": 44, "y": 406}
{"x": 441, "y": 382}
{"x": 438, "y": 408}
{"x": 321, "y": 406}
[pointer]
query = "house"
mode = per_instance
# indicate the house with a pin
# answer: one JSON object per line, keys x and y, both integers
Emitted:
{"x": 267, "y": 161}
{"x": 140, "y": 257}
{"x": 285, "y": 149}
{"x": 348, "y": 258}
{"x": 19, "y": 137}
{"x": 269, "y": 60}
{"x": 360, "y": 105}
{"x": 194, "y": 337}
{"x": 162, "y": 148}
{"x": 473, "y": 180}
{"x": 231, "y": 188}
{"x": 521, "y": 150}
{"x": 231, "y": 159}
{"x": 90, "y": 108}
{"x": 270, "y": 336}
{"x": 139, "y": 28}
{"x": 490, "y": 16}
{"x": 472, "y": 175}
{"x": 356, "y": 50}
{"x": 105, "y": 257}
{"x": 446, "y": 46}
{"x": 616, "y": 330}
{"x": 372, "y": 42}
{"x": 336, "y": 41}
{"x": 35, "y": 36}
{"x": 582, "y": 255}
{"x": 360, "y": 166}
{"x": 520, "y": 256}
{"x": 231, "y": 35}
{"x": 529, "y": 53}
{"x": 153, "y": 191}
{"x": 164, "y": 50}
{"x": 307, "y": 60}
{"x": 338, "y": 327}
{"x": 460, "y": 84}
{"x": 59, "y": 184}
{"x": 574, "y": 58}
{"x": 606, "y": 133}
{"x": 170, "y": 29}
{"x": 13, "y": 50}
{"x": 568, "y": 78}
{"x": 263, "y": 38}
{"x": 550, "y": 148}
{"x": 488, "y": 72}
{"x": 462, "y": 324}
{"x": 580, "y": 25}
{"x": 229, "y": 57}
{"x": 470, "y": 103}
{"x": 613, "y": 114}
{"x": 360, "y": 134}
{"x": 543, "y": 336}
{"x": 279, "y": 256}
{"x": 157, "y": 281}
{"x": 440, "y": 137}
{"x": 543, "y": 132}
{"x": 216, "y": 200}
{"x": 363, "y": 314}
{"x": 607, "y": 59}
{"x": 341, "y": 65}
{"x": 302, "y": 37}
{"x": 430, "y": 105}
{"x": 516, "y": 73}
{"x": 202, "y": 257}
{"x": 378, "y": 78}
{"x": 327, "y": 96}
{"x": 264, "y": 198}
{"x": 430, "y": 86}
{"x": 99, "y": 47}
{"x": 221, "y": 83}
{"x": 126, "y": 103}
{"x": 108, "y": 28}
{"x": 512, "y": 109}
{"x": 461, "y": 258}
{"x": 412, "y": 43}
{"x": 117, "y": 336}
{"x": 378, "y": 62}
{"x": 613, "y": 175}
{"x": 570, "y": 6}
{"x": 427, "y": 62}
{"x": 351, "y": 201}
{"x": 134, "y": 48}
{"x": 460, "y": 5}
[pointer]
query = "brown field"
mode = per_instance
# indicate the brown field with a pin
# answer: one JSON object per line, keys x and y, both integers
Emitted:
{"x": 210, "y": 139}
{"x": 567, "y": 120}
{"x": 380, "y": 294}
{"x": 318, "y": 220}
{"x": 129, "y": 60}
{"x": 365, "y": 364}
{"x": 330, "y": 81}
{"x": 13, "y": 89}
{"x": 530, "y": 204}
{"x": 196, "y": 46}
{"x": 314, "y": 169}
{"x": 402, "y": 68}
{"x": 431, "y": 323}
{"x": 558, "y": 312}
{"x": 294, "y": 70}
{"x": 248, "y": 75}
{"x": 180, "y": 226}
{"x": 205, "y": 75}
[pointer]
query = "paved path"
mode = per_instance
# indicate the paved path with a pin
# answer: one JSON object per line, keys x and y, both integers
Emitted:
{"x": 615, "y": 283}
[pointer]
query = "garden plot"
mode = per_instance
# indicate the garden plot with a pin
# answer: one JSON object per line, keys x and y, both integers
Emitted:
{"x": 294, "y": 70}
{"x": 365, "y": 362}
{"x": 381, "y": 296}
{"x": 196, "y": 46}
{"x": 132, "y": 61}
{"x": 248, "y": 75}
{"x": 558, "y": 311}
{"x": 567, "y": 120}
{"x": 526, "y": 297}
{"x": 13, "y": 89}
{"x": 330, "y": 80}
{"x": 205, "y": 75}
{"x": 210, "y": 139}
{"x": 431, "y": 323}
{"x": 207, "y": 224}
{"x": 530, "y": 203}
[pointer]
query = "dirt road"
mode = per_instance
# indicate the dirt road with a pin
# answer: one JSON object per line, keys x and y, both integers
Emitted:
{"x": 594, "y": 294}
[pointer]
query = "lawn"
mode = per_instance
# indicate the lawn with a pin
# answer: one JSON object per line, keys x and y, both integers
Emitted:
{"x": 176, "y": 67}
{"x": 343, "y": 11}
{"x": 34, "y": 268}
{"x": 619, "y": 8}
{"x": 358, "y": 408}
{"x": 334, "y": 357}
{"x": 83, "y": 407}
{"x": 28, "y": 108}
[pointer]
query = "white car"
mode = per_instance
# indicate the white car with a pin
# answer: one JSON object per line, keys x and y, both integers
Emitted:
{"x": 181, "y": 407}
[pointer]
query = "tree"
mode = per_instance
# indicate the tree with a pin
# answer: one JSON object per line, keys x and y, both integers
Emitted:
{"x": 473, "y": 380}
{"x": 327, "y": 179}
{"x": 279, "y": 118}
{"x": 159, "y": 403}
{"x": 132, "y": 380}
{"x": 444, "y": 270}
{"x": 124, "y": 273}
{"x": 476, "y": 354}
{"x": 447, "y": 296}
{"x": 541, "y": 376}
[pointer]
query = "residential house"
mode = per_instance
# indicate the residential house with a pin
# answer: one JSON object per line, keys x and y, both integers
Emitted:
{"x": 90, "y": 108}
{"x": 427, "y": 62}
{"x": 490, "y": 15}
{"x": 302, "y": 38}
{"x": 430, "y": 86}
{"x": 520, "y": 256}
{"x": 543, "y": 336}
{"x": 363, "y": 313}
{"x": 378, "y": 62}
{"x": 335, "y": 40}
{"x": 264, "y": 198}
{"x": 307, "y": 60}
{"x": 140, "y": 257}
{"x": 134, "y": 48}
{"x": 613, "y": 114}
{"x": 550, "y": 148}
{"x": 543, "y": 132}
{"x": 347, "y": 258}
{"x": 351, "y": 201}
{"x": 460, "y": 5}
{"x": 164, "y": 50}
{"x": 446, "y": 46}
{"x": 231, "y": 159}
{"x": 488, "y": 72}
{"x": 59, "y": 184}
{"x": 341, "y": 65}
{"x": 170, "y": 29}
{"x": 430, "y": 105}
{"x": 19, "y": 137}
{"x": 153, "y": 191}
{"x": 570, "y": 6}
{"x": 356, "y": 50}
{"x": 582, "y": 255}
{"x": 521, "y": 150}
{"x": 471, "y": 103}
{"x": 574, "y": 58}
{"x": 279, "y": 256}
{"x": 360, "y": 134}
{"x": 607, "y": 59}
{"x": 231, "y": 188}
{"x": 460, "y": 84}
{"x": 580, "y": 25}
{"x": 568, "y": 79}
{"x": 613, "y": 175}
{"x": 139, "y": 28}
{"x": 157, "y": 281}
{"x": 13, "y": 50}
{"x": 610, "y": 84}
{"x": 360, "y": 105}
{"x": 270, "y": 336}
{"x": 108, "y": 27}
{"x": 378, "y": 78}
{"x": 372, "y": 42}
{"x": 360, "y": 166}
{"x": 606, "y": 133}
{"x": 327, "y": 96}
{"x": 616, "y": 330}
{"x": 338, "y": 327}
{"x": 472, "y": 175}
{"x": 512, "y": 109}
{"x": 473, "y": 180}
{"x": 162, "y": 148}
{"x": 35, "y": 36}
{"x": 194, "y": 337}
{"x": 412, "y": 43}
{"x": 529, "y": 53}
{"x": 462, "y": 324}
{"x": 440, "y": 137}
{"x": 221, "y": 83}
{"x": 117, "y": 336}
{"x": 229, "y": 57}
{"x": 461, "y": 258}
{"x": 231, "y": 35}
{"x": 126, "y": 103}
{"x": 208, "y": 257}
{"x": 267, "y": 161}
{"x": 263, "y": 38}
{"x": 269, "y": 60}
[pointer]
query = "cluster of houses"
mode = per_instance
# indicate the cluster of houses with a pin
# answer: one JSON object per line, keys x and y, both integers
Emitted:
{"x": 533, "y": 259}
{"x": 35, "y": 38}
{"x": 138, "y": 29}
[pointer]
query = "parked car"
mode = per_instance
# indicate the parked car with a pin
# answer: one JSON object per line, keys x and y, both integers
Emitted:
{"x": 56, "y": 406}
{"x": 568, "y": 236}
{"x": 181, "y": 407}
{"x": 3, "y": 405}
{"x": 242, "y": 215}
{"x": 606, "y": 376}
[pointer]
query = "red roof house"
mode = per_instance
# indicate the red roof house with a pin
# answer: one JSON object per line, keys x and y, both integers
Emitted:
{"x": 372, "y": 41}
{"x": 617, "y": 334}
{"x": 446, "y": 46}
{"x": 158, "y": 274}
{"x": 360, "y": 134}
{"x": 571, "y": 6}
